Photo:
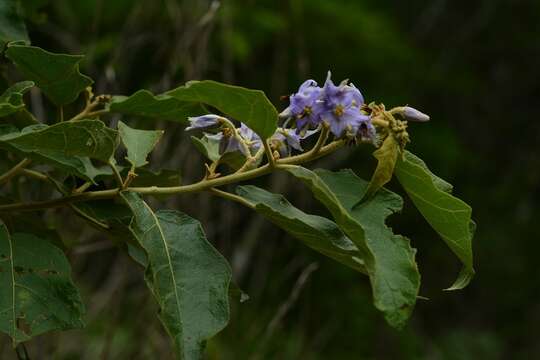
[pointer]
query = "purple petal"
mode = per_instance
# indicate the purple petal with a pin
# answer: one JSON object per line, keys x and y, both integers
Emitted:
{"x": 411, "y": 114}
{"x": 203, "y": 122}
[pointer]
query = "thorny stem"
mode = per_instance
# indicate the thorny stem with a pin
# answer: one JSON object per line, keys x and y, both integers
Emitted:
{"x": 14, "y": 170}
{"x": 202, "y": 185}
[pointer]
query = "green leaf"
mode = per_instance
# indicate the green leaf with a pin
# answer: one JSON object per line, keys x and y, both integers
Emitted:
{"x": 387, "y": 156}
{"x": 74, "y": 165}
{"x": 252, "y": 107}
{"x": 144, "y": 103}
{"x": 449, "y": 216}
{"x": 12, "y": 27}
{"x": 57, "y": 75}
{"x": 11, "y": 100}
{"x": 37, "y": 292}
{"x": 319, "y": 233}
{"x": 87, "y": 138}
{"x": 187, "y": 276}
{"x": 139, "y": 143}
{"x": 388, "y": 258}
{"x": 209, "y": 147}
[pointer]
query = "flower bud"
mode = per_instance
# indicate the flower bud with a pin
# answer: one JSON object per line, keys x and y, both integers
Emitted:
{"x": 411, "y": 114}
{"x": 203, "y": 122}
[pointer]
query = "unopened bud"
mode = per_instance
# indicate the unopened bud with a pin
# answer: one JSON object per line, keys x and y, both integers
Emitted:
{"x": 410, "y": 114}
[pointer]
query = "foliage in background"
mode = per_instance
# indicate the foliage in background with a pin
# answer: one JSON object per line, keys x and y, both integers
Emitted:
{"x": 409, "y": 63}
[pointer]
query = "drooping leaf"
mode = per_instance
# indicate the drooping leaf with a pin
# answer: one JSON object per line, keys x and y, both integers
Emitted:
{"x": 37, "y": 292}
{"x": 87, "y": 138}
{"x": 187, "y": 276}
{"x": 319, "y": 233}
{"x": 386, "y": 156}
{"x": 144, "y": 103}
{"x": 11, "y": 100}
{"x": 139, "y": 143}
{"x": 12, "y": 27}
{"x": 449, "y": 216}
{"x": 57, "y": 75}
{"x": 388, "y": 258}
{"x": 252, "y": 107}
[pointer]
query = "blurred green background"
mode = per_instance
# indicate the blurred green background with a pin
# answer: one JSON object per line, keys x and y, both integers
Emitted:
{"x": 473, "y": 66}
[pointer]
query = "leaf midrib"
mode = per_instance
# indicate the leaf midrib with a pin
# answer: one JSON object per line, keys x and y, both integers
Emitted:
{"x": 169, "y": 263}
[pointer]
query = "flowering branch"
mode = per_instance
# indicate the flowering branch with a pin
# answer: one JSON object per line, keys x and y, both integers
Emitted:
{"x": 195, "y": 187}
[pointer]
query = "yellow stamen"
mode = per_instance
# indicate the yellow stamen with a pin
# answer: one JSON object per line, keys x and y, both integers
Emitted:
{"x": 339, "y": 110}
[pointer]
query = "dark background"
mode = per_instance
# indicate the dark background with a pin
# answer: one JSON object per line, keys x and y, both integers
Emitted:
{"x": 471, "y": 65}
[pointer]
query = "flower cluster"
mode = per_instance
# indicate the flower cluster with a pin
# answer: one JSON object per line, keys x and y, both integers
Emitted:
{"x": 340, "y": 107}
{"x": 244, "y": 139}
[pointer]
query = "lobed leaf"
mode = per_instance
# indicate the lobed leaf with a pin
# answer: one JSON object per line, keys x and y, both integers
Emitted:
{"x": 388, "y": 258}
{"x": 12, "y": 27}
{"x": 187, "y": 276}
{"x": 11, "y": 100}
{"x": 252, "y": 107}
{"x": 37, "y": 294}
{"x": 449, "y": 216}
{"x": 317, "y": 232}
{"x": 57, "y": 75}
{"x": 144, "y": 103}
{"x": 139, "y": 143}
{"x": 88, "y": 138}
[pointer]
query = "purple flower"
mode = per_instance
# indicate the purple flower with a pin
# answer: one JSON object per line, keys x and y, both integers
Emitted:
{"x": 411, "y": 114}
{"x": 252, "y": 139}
{"x": 305, "y": 105}
{"x": 203, "y": 122}
{"x": 342, "y": 105}
{"x": 228, "y": 142}
{"x": 344, "y": 94}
